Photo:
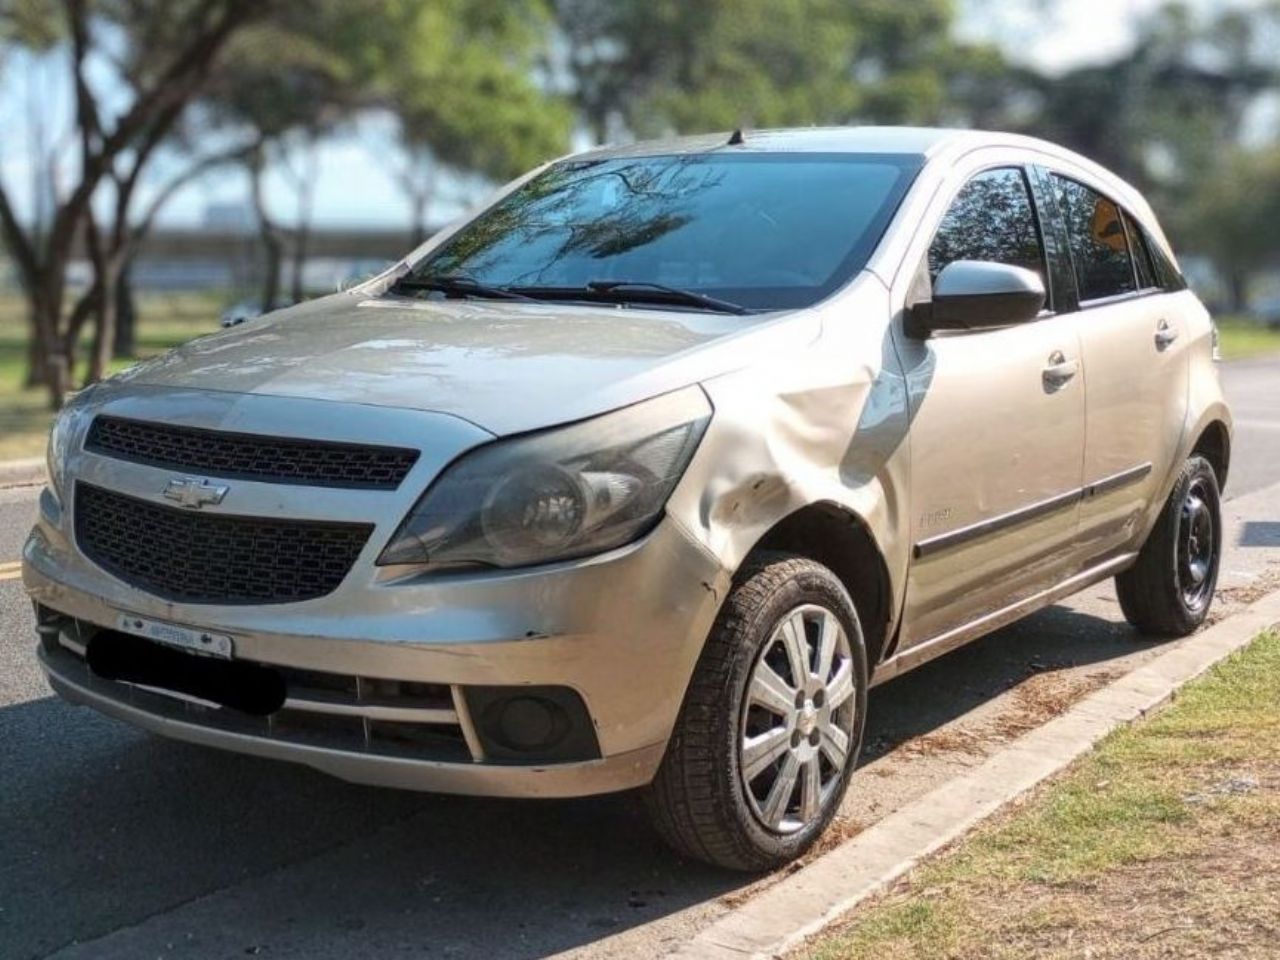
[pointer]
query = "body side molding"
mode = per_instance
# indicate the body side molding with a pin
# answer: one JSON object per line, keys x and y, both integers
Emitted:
{"x": 1040, "y": 508}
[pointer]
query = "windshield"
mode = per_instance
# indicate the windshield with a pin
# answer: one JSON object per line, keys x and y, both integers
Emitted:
{"x": 767, "y": 230}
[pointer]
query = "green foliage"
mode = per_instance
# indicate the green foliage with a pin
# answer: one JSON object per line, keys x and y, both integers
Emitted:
{"x": 1161, "y": 114}
{"x": 35, "y": 24}
{"x": 462, "y": 76}
{"x": 660, "y": 65}
{"x": 459, "y": 76}
{"x": 1233, "y": 215}
{"x": 304, "y": 68}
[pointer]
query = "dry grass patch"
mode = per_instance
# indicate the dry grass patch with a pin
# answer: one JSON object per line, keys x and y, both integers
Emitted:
{"x": 1162, "y": 843}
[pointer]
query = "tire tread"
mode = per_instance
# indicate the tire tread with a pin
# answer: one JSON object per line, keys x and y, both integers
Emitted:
{"x": 688, "y": 800}
{"x": 1148, "y": 591}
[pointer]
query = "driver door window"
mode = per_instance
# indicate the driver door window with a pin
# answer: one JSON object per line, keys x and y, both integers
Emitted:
{"x": 992, "y": 218}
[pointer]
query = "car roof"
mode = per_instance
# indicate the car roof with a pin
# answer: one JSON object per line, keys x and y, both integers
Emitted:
{"x": 906, "y": 141}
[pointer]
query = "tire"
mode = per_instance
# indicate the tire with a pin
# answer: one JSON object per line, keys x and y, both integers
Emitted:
{"x": 1169, "y": 590}
{"x": 700, "y": 801}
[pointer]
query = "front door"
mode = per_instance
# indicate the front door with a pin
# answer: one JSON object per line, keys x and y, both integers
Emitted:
{"x": 997, "y": 432}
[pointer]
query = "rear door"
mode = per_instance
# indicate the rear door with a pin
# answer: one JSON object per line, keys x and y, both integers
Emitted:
{"x": 997, "y": 430}
{"x": 1133, "y": 344}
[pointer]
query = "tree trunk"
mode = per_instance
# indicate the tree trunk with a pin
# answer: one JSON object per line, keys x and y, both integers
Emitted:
{"x": 301, "y": 240}
{"x": 419, "y": 207}
{"x": 55, "y": 372}
{"x": 268, "y": 233}
{"x": 47, "y": 304}
{"x": 36, "y": 356}
{"x": 1238, "y": 289}
{"x": 305, "y": 185}
{"x": 104, "y": 336}
{"x": 126, "y": 338}
{"x": 272, "y": 254}
{"x": 84, "y": 309}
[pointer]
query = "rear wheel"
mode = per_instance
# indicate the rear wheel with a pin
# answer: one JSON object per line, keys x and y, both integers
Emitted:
{"x": 772, "y": 723}
{"x": 1169, "y": 590}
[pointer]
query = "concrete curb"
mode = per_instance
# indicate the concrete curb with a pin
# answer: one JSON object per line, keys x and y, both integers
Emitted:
{"x": 21, "y": 473}
{"x": 781, "y": 917}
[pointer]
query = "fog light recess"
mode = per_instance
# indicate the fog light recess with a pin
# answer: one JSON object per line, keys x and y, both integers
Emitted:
{"x": 532, "y": 724}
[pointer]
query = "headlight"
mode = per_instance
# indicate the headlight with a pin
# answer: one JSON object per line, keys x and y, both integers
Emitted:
{"x": 561, "y": 493}
{"x": 58, "y": 448}
{"x": 62, "y": 438}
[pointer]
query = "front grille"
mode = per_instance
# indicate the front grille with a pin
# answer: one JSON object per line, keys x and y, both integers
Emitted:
{"x": 181, "y": 555}
{"x": 248, "y": 456}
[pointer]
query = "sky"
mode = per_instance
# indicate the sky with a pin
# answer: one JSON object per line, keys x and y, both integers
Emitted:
{"x": 355, "y": 187}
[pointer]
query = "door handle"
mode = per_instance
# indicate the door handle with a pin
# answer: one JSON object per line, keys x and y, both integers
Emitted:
{"x": 1060, "y": 370}
{"x": 1165, "y": 334}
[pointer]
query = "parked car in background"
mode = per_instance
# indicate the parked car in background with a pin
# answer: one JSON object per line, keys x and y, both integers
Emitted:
{"x": 240, "y": 311}
{"x": 337, "y": 275}
{"x": 642, "y": 477}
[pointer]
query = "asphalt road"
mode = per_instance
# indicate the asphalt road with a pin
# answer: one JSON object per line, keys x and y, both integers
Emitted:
{"x": 117, "y": 844}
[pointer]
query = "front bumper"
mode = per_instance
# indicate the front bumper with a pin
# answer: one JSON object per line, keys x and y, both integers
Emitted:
{"x": 622, "y": 630}
{"x": 77, "y": 684}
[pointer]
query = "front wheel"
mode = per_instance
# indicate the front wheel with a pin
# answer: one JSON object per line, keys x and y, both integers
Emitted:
{"x": 1168, "y": 591}
{"x": 771, "y": 724}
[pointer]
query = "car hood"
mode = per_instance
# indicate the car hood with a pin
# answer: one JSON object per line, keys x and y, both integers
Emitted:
{"x": 504, "y": 366}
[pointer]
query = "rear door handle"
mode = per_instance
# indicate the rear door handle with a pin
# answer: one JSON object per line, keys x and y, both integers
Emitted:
{"x": 1165, "y": 334}
{"x": 1060, "y": 370}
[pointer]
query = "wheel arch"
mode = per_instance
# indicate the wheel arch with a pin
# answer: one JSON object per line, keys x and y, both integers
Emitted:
{"x": 836, "y": 537}
{"x": 1214, "y": 444}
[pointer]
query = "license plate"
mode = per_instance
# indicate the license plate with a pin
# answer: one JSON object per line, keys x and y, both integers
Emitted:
{"x": 198, "y": 641}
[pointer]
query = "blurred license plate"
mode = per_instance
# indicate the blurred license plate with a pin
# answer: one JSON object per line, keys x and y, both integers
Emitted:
{"x": 198, "y": 641}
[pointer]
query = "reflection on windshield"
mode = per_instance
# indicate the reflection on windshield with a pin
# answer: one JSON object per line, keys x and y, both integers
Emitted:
{"x": 764, "y": 230}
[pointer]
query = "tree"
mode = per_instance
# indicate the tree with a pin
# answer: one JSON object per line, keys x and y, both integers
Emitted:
{"x": 117, "y": 147}
{"x": 1160, "y": 114}
{"x": 285, "y": 83}
{"x": 652, "y": 66}
{"x": 36, "y": 28}
{"x": 462, "y": 83}
{"x": 1233, "y": 217}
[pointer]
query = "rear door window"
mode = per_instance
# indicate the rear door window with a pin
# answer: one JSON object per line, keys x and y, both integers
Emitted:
{"x": 1099, "y": 246}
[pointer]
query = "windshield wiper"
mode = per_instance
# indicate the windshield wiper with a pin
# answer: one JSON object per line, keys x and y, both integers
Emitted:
{"x": 458, "y": 285}
{"x": 633, "y": 291}
{"x": 660, "y": 292}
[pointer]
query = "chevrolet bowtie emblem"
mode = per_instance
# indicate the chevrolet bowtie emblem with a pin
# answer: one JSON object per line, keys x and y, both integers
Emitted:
{"x": 194, "y": 493}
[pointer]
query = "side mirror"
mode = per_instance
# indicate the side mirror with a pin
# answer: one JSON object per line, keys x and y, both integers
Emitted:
{"x": 978, "y": 295}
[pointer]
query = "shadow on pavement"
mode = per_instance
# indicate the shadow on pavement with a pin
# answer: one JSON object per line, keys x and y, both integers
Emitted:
{"x": 1260, "y": 533}
{"x": 947, "y": 688}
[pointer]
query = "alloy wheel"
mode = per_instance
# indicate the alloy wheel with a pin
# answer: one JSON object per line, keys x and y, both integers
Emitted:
{"x": 797, "y": 720}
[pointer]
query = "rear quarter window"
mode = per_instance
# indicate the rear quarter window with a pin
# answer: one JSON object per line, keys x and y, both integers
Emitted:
{"x": 1141, "y": 255}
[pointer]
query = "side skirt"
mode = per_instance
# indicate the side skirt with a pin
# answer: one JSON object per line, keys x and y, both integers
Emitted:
{"x": 959, "y": 636}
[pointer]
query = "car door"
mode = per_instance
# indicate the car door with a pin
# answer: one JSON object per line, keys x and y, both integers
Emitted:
{"x": 997, "y": 430}
{"x": 1134, "y": 348}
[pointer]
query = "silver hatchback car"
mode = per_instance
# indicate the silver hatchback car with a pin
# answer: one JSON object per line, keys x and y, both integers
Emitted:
{"x": 642, "y": 476}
